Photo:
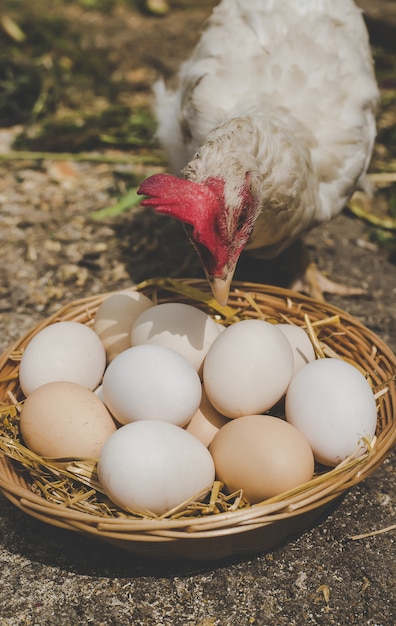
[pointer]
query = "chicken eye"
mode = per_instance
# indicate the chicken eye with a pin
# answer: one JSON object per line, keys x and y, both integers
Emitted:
{"x": 241, "y": 219}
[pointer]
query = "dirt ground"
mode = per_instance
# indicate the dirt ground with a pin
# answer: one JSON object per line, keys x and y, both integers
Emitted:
{"x": 53, "y": 251}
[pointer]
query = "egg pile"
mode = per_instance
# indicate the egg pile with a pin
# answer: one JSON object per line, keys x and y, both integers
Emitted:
{"x": 167, "y": 399}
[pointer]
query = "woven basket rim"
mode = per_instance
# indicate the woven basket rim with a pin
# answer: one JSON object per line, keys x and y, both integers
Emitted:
{"x": 357, "y": 339}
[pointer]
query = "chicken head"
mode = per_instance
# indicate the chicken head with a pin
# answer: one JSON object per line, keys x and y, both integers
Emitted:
{"x": 218, "y": 235}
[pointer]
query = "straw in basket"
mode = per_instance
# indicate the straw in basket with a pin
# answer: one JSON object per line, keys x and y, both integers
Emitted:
{"x": 222, "y": 525}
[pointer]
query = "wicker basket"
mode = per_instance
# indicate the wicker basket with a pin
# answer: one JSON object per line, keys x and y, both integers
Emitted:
{"x": 246, "y": 530}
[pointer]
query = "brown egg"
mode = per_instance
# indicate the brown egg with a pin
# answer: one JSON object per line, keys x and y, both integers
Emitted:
{"x": 261, "y": 455}
{"x": 206, "y": 422}
{"x": 65, "y": 420}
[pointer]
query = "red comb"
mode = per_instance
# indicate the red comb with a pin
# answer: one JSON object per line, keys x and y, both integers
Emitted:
{"x": 192, "y": 203}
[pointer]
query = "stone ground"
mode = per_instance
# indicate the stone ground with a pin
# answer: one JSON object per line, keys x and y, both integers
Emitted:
{"x": 53, "y": 252}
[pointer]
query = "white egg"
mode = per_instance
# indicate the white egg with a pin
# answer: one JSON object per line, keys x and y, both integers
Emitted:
{"x": 182, "y": 327}
{"x": 64, "y": 351}
{"x": 301, "y": 345}
{"x": 333, "y": 405}
{"x": 248, "y": 368}
{"x": 151, "y": 382}
{"x": 99, "y": 393}
{"x": 154, "y": 466}
{"x": 115, "y": 317}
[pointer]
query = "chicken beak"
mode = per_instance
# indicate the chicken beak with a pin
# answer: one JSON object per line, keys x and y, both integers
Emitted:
{"x": 221, "y": 286}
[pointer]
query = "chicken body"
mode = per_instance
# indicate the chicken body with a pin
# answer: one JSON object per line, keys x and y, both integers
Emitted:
{"x": 277, "y": 106}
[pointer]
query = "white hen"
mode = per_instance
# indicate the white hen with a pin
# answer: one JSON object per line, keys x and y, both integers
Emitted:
{"x": 272, "y": 126}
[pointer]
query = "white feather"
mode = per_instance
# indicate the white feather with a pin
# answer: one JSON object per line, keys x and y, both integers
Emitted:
{"x": 298, "y": 69}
